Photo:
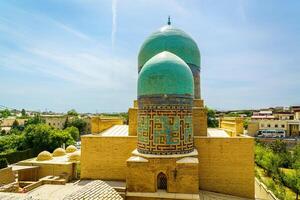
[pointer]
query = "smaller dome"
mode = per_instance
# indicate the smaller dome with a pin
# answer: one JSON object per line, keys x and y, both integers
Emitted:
{"x": 44, "y": 155}
{"x": 59, "y": 152}
{"x": 74, "y": 156}
{"x": 165, "y": 74}
{"x": 71, "y": 149}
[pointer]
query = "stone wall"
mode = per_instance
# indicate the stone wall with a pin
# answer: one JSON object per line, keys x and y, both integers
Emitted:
{"x": 6, "y": 176}
{"x": 226, "y": 165}
{"x": 99, "y": 124}
{"x": 200, "y": 121}
{"x": 132, "y": 121}
{"x": 234, "y": 126}
{"x": 182, "y": 177}
{"x": 253, "y": 127}
{"x": 48, "y": 168}
{"x": 105, "y": 157}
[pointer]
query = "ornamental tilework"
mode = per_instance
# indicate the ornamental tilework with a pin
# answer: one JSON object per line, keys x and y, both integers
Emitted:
{"x": 165, "y": 129}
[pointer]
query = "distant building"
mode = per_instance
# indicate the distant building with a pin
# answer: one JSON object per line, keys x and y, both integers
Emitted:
{"x": 56, "y": 121}
{"x": 297, "y": 114}
{"x": 7, "y": 123}
{"x": 285, "y": 120}
{"x": 264, "y": 114}
{"x": 284, "y": 115}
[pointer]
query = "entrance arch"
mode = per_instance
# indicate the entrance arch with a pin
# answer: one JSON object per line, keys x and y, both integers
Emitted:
{"x": 162, "y": 181}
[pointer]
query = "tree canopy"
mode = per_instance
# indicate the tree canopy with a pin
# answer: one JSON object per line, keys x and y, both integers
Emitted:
{"x": 79, "y": 123}
{"x": 72, "y": 112}
{"x": 212, "y": 121}
{"x": 4, "y": 113}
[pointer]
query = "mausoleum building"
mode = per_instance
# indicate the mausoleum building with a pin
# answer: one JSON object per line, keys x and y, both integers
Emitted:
{"x": 167, "y": 148}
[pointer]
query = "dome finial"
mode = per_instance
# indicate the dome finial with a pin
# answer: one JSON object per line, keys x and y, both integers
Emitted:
{"x": 169, "y": 20}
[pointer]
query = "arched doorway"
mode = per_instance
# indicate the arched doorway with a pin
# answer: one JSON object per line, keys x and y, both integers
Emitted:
{"x": 162, "y": 181}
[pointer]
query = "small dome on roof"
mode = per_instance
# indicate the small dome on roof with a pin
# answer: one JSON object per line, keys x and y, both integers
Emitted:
{"x": 59, "y": 152}
{"x": 71, "y": 149}
{"x": 164, "y": 74}
{"x": 44, "y": 155}
{"x": 174, "y": 40}
{"x": 74, "y": 156}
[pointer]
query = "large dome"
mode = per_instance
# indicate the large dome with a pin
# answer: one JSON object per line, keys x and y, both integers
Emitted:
{"x": 164, "y": 74}
{"x": 173, "y": 40}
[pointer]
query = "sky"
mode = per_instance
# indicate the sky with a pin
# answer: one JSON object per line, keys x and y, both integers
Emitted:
{"x": 82, "y": 54}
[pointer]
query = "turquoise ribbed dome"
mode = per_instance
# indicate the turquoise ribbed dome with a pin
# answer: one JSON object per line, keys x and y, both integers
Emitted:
{"x": 173, "y": 40}
{"x": 165, "y": 73}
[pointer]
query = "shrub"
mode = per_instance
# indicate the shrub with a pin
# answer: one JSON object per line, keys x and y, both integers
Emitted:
{"x": 74, "y": 132}
{"x": 58, "y": 138}
{"x": 43, "y": 137}
{"x": 3, "y": 163}
{"x": 78, "y": 123}
{"x": 291, "y": 179}
{"x": 16, "y": 156}
{"x": 12, "y": 142}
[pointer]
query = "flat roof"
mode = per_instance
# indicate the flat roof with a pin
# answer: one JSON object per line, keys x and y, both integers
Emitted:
{"x": 64, "y": 159}
{"x": 116, "y": 130}
{"x": 216, "y": 132}
{"x": 21, "y": 167}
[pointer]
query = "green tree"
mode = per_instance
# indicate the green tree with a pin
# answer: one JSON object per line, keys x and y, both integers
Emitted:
{"x": 66, "y": 124}
{"x": 3, "y": 132}
{"x": 58, "y": 138}
{"x": 232, "y": 114}
{"x": 38, "y": 137}
{"x": 279, "y": 146}
{"x": 296, "y": 183}
{"x": 212, "y": 121}
{"x": 72, "y": 112}
{"x": 245, "y": 124}
{"x": 36, "y": 119}
{"x": 78, "y": 123}
{"x": 292, "y": 180}
{"x": 296, "y": 157}
{"x": 248, "y": 113}
{"x": 268, "y": 160}
{"x": 12, "y": 142}
{"x": 16, "y": 126}
{"x": 74, "y": 132}
{"x": 23, "y": 112}
{"x": 43, "y": 137}
{"x": 5, "y": 113}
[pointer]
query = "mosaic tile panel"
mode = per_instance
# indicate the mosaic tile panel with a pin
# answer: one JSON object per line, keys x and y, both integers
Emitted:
{"x": 165, "y": 128}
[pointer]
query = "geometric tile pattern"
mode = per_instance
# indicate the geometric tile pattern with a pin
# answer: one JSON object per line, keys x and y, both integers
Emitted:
{"x": 165, "y": 129}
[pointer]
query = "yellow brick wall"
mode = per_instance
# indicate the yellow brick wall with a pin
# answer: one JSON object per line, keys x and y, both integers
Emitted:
{"x": 99, "y": 124}
{"x": 105, "y": 157}
{"x": 226, "y": 165}
{"x": 132, "y": 117}
{"x": 253, "y": 127}
{"x": 6, "y": 176}
{"x": 28, "y": 175}
{"x": 50, "y": 169}
{"x": 234, "y": 126}
{"x": 185, "y": 180}
{"x": 198, "y": 103}
{"x": 199, "y": 121}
